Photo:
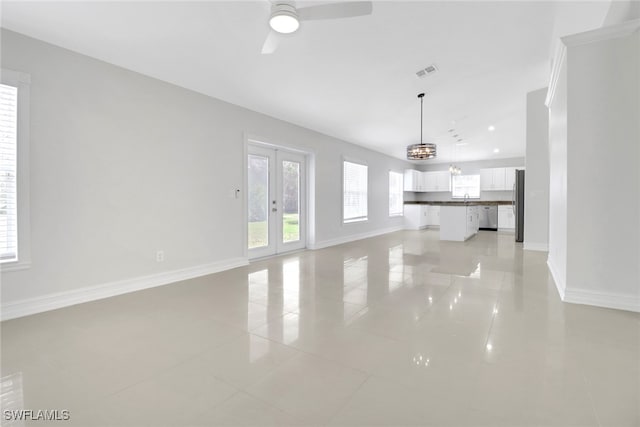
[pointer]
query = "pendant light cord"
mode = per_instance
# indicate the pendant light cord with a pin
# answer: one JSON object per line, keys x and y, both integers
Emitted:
{"x": 421, "y": 96}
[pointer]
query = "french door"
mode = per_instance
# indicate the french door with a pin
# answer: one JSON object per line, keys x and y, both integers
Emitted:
{"x": 276, "y": 201}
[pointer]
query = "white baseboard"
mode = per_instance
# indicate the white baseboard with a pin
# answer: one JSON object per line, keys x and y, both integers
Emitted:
{"x": 530, "y": 246}
{"x": 353, "y": 238}
{"x": 560, "y": 282}
{"x": 12, "y": 310}
{"x": 595, "y": 298}
{"x": 602, "y": 299}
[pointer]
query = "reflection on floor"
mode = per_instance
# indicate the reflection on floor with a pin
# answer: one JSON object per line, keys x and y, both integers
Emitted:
{"x": 401, "y": 329}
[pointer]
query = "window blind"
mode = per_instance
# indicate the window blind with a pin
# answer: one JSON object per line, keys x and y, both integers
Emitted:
{"x": 354, "y": 192}
{"x": 395, "y": 193}
{"x": 8, "y": 173}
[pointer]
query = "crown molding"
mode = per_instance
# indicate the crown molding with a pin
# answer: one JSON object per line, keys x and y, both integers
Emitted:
{"x": 600, "y": 34}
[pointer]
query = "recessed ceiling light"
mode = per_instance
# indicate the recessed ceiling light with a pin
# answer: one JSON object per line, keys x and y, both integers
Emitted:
{"x": 496, "y": 150}
{"x": 491, "y": 128}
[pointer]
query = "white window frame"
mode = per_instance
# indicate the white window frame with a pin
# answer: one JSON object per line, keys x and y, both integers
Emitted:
{"x": 23, "y": 82}
{"x": 453, "y": 187}
{"x": 357, "y": 219}
{"x": 401, "y": 212}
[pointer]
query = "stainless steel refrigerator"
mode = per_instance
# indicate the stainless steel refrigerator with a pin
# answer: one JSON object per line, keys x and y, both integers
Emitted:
{"x": 518, "y": 205}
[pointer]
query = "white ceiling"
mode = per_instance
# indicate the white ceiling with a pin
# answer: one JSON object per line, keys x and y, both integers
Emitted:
{"x": 352, "y": 78}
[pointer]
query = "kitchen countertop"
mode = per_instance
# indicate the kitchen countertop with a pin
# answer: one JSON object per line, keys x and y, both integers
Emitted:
{"x": 461, "y": 203}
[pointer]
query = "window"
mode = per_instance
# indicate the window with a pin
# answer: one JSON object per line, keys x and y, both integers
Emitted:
{"x": 15, "y": 238}
{"x": 396, "y": 192}
{"x": 8, "y": 173}
{"x": 354, "y": 192}
{"x": 466, "y": 185}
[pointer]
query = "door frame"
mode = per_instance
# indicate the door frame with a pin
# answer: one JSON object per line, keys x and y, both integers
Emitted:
{"x": 307, "y": 184}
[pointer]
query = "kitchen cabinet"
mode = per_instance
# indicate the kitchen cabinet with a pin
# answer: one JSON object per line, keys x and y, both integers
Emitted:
{"x": 473, "y": 221}
{"x": 510, "y": 178}
{"x": 437, "y": 181}
{"x": 419, "y": 216}
{"x": 498, "y": 179}
{"x": 413, "y": 180}
{"x": 459, "y": 223}
{"x": 506, "y": 218}
{"x": 492, "y": 179}
{"x": 433, "y": 215}
{"x": 416, "y": 216}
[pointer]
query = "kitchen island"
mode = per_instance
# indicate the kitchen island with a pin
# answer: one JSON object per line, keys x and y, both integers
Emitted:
{"x": 459, "y": 222}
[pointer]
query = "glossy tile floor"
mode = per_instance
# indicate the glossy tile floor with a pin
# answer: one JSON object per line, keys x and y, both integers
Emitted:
{"x": 400, "y": 329}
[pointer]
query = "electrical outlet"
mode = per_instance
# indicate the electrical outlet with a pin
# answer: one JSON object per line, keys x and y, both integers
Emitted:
{"x": 159, "y": 256}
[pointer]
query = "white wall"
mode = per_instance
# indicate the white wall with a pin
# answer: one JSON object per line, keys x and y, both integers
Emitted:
{"x": 470, "y": 168}
{"x": 603, "y": 168}
{"x": 594, "y": 143}
{"x": 536, "y": 198}
{"x": 122, "y": 165}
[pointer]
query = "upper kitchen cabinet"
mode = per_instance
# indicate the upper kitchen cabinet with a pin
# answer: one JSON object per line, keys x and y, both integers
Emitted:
{"x": 492, "y": 179}
{"x": 498, "y": 179}
{"x": 437, "y": 181}
{"x": 413, "y": 180}
{"x": 510, "y": 178}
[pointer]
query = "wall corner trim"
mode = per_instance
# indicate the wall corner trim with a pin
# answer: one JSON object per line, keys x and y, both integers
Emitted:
{"x": 25, "y": 307}
{"x": 558, "y": 60}
{"x": 560, "y": 283}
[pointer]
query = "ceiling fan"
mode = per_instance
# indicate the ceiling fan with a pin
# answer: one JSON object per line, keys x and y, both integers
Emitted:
{"x": 286, "y": 17}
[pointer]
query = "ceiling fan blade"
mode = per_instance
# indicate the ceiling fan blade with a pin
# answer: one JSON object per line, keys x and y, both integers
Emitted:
{"x": 335, "y": 10}
{"x": 271, "y": 43}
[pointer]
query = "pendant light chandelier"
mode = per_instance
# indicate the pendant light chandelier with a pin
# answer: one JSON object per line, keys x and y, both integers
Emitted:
{"x": 453, "y": 168}
{"x": 421, "y": 151}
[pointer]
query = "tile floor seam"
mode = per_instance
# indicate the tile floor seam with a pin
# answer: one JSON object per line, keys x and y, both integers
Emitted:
{"x": 348, "y": 400}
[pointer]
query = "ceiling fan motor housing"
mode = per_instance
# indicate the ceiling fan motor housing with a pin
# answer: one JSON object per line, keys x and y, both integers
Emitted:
{"x": 284, "y": 18}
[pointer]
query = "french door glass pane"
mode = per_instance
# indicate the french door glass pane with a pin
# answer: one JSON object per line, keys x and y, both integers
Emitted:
{"x": 290, "y": 201}
{"x": 258, "y": 201}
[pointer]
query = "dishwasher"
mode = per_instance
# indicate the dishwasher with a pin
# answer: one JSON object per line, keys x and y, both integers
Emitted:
{"x": 489, "y": 217}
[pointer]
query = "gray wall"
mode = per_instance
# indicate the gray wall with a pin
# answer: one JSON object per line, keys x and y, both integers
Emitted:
{"x": 122, "y": 165}
{"x": 536, "y": 199}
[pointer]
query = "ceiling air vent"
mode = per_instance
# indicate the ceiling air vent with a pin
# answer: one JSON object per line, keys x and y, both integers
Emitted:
{"x": 426, "y": 71}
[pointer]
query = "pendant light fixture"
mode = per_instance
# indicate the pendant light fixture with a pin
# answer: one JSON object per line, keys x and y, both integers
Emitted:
{"x": 421, "y": 151}
{"x": 453, "y": 168}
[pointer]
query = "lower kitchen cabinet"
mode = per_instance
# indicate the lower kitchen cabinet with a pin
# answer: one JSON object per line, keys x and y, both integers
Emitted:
{"x": 506, "y": 218}
{"x": 415, "y": 216}
{"x": 420, "y": 216}
{"x": 433, "y": 215}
